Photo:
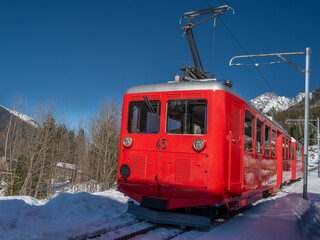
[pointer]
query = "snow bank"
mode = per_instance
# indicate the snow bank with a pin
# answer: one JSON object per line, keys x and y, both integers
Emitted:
{"x": 63, "y": 217}
{"x": 28, "y": 200}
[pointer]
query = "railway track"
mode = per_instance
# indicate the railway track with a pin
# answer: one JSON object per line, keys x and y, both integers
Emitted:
{"x": 143, "y": 229}
{"x": 156, "y": 231}
{"x": 139, "y": 232}
{"x": 101, "y": 232}
{"x": 149, "y": 230}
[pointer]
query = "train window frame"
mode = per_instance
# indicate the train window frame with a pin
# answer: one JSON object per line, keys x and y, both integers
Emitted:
{"x": 148, "y": 119}
{"x": 267, "y": 141}
{"x": 188, "y": 120}
{"x": 273, "y": 142}
{"x": 259, "y": 136}
{"x": 283, "y": 147}
{"x": 287, "y": 148}
{"x": 248, "y": 139}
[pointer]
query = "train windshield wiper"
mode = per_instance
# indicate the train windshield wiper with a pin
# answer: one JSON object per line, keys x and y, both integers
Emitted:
{"x": 146, "y": 99}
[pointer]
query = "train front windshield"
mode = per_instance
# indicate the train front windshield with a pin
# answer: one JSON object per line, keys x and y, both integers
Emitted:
{"x": 144, "y": 116}
{"x": 183, "y": 116}
{"x": 187, "y": 116}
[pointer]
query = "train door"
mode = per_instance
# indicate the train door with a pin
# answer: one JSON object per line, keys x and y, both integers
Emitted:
{"x": 294, "y": 160}
{"x": 280, "y": 148}
{"x": 235, "y": 150}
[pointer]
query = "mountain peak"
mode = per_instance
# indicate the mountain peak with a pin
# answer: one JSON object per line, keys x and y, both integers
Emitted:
{"x": 268, "y": 101}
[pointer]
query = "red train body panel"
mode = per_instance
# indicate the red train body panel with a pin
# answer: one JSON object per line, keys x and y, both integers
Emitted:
{"x": 244, "y": 153}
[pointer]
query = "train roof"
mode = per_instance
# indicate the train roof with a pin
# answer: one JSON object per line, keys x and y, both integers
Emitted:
{"x": 182, "y": 86}
{"x": 195, "y": 85}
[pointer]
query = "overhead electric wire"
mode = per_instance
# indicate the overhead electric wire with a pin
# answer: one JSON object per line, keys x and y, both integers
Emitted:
{"x": 242, "y": 48}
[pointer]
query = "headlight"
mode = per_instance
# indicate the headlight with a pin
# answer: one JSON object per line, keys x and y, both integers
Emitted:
{"x": 127, "y": 142}
{"x": 199, "y": 145}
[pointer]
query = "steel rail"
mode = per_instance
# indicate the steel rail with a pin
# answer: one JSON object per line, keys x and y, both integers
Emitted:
{"x": 101, "y": 232}
{"x": 139, "y": 232}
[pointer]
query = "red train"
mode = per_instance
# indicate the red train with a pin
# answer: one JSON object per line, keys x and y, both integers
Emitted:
{"x": 194, "y": 146}
{"x": 199, "y": 144}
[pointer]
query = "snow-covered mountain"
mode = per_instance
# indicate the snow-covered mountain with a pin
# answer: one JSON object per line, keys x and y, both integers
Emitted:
{"x": 269, "y": 101}
{"x": 23, "y": 117}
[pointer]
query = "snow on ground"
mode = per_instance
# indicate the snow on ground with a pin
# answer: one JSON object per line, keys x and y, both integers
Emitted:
{"x": 3, "y": 187}
{"x": 71, "y": 187}
{"x": 283, "y": 216}
{"x": 286, "y": 215}
{"x": 65, "y": 216}
{"x": 313, "y": 156}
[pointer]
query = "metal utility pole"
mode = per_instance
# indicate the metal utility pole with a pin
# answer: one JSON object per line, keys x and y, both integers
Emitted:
{"x": 306, "y": 127}
{"x": 318, "y": 134}
{"x": 306, "y": 115}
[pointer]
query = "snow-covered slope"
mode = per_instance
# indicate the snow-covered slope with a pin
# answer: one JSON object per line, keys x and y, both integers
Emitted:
{"x": 269, "y": 101}
{"x": 23, "y": 117}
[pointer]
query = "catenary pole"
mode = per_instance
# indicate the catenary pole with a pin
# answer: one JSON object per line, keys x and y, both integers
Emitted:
{"x": 306, "y": 127}
{"x": 318, "y": 134}
{"x": 306, "y": 115}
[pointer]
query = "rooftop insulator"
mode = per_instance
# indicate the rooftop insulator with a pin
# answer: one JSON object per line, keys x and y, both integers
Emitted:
{"x": 228, "y": 83}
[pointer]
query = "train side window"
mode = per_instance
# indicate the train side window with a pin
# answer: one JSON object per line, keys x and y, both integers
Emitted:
{"x": 273, "y": 143}
{"x": 187, "y": 116}
{"x": 267, "y": 140}
{"x": 144, "y": 117}
{"x": 287, "y": 149}
{"x": 259, "y": 136}
{"x": 292, "y": 153}
{"x": 248, "y": 131}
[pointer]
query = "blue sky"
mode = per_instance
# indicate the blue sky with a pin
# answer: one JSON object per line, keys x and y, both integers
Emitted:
{"x": 80, "y": 53}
